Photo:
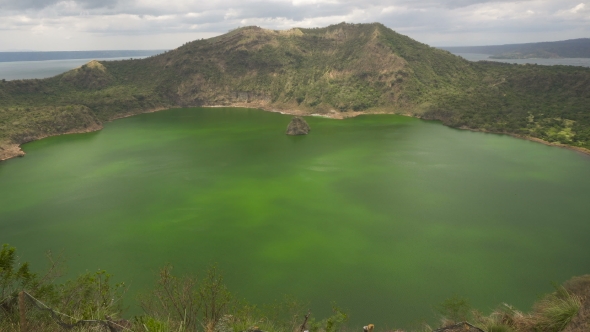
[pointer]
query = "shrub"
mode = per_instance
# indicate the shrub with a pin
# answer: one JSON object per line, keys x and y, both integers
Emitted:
{"x": 555, "y": 311}
{"x": 331, "y": 324}
{"x": 91, "y": 296}
{"x": 173, "y": 298}
{"x": 185, "y": 302}
{"x": 16, "y": 277}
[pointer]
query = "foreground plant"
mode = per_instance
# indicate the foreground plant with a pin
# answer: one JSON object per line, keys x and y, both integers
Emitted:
{"x": 187, "y": 304}
{"x": 90, "y": 296}
{"x": 555, "y": 311}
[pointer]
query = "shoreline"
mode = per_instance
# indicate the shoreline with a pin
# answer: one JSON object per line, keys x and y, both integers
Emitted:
{"x": 13, "y": 150}
{"x": 581, "y": 150}
{"x": 559, "y": 145}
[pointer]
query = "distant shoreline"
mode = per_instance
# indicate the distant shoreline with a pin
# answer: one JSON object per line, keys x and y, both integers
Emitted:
{"x": 14, "y": 150}
{"x": 74, "y": 55}
{"x": 532, "y": 139}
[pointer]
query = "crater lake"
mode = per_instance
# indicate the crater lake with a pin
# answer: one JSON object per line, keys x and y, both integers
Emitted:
{"x": 384, "y": 215}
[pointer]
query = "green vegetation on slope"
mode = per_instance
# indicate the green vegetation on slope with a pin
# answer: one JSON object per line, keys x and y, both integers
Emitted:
{"x": 550, "y": 103}
{"x": 341, "y": 68}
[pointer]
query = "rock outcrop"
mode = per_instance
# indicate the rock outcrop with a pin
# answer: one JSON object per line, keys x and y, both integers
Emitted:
{"x": 298, "y": 126}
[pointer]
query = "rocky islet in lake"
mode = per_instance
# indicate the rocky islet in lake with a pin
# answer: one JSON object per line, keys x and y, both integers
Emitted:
{"x": 298, "y": 126}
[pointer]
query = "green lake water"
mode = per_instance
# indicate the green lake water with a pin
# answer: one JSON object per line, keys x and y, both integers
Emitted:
{"x": 385, "y": 215}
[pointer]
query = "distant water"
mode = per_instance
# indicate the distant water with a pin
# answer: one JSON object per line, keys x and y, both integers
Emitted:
{"x": 20, "y": 70}
{"x": 70, "y": 55}
{"x": 583, "y": 62}
{"x": 384, "y": 214}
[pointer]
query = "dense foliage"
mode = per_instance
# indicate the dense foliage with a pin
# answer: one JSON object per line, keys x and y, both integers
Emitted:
{"x": 341, "y": 68}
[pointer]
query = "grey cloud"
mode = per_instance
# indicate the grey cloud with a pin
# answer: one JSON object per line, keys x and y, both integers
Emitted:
{"x": 264, "y": 9}
{"x": 447, "y": 4}
{"x": 425, "y": 19}
{"x": 260, "y": 8}
{"x": 40, "y": 4}
{"x": 453, "y": 4}
{"x": 287, "y": 10}
{"x": 243, "y": 9}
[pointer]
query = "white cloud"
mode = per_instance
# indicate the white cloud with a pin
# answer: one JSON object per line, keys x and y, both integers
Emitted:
{"x": 230, "y": 13}
{"x": 578, "y": 8}
{"x": 312, "y": 2}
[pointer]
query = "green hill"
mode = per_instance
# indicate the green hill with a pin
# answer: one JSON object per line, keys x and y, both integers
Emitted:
{"x": 572, "y": 48}
{"x": 338, "y": 70}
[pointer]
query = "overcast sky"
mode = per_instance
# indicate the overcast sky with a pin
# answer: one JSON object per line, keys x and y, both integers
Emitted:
{"x": 50, "y": 25}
